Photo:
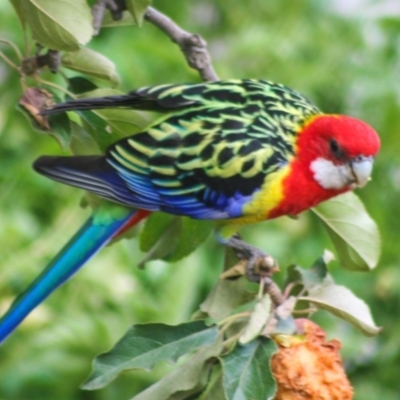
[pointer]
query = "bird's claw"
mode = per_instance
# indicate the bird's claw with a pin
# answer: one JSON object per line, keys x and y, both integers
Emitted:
{"x": 259, "y": 264}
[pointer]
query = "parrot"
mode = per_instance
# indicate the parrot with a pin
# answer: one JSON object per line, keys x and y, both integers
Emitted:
{"x": 235, "y": 152}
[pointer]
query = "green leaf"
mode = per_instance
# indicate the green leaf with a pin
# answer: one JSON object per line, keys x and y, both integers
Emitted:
{"x": 171, "y": 238}
{"x": 91, "y": 63}
{"x": 145, "y": 345}
{"x": 138, "y": 8}
{"x": 97, "y": 129}
{"x": 341, "y": 302}
{"x": 190, "y": 378}
{"x": 159, "y": 236}
{"x": 309, "y": 276}
{"x": 19, "y": 9}
{"x": 258, "y": 319}
{"x": 61, "y": 129}
{"x": 193, "y": 234}
{"x": 215, "y": 388}
{"x": 82, "y": 142}
{"x": 154, "y": 226}
{"x": 123, "y": 123}
{"x": 353, "y": 232}
{"x": 58, "y": 25}
{"x": 80, "y": 85}
{"x": 225, "y": 297}
{"x": 163, "y": 243}
{"x": 247, "y": 372}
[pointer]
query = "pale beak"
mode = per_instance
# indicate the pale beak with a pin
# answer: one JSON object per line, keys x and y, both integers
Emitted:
{"x": 362, "y": 169}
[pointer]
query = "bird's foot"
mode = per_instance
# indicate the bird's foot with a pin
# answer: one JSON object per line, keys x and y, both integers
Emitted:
{"x": 259, "y": 263}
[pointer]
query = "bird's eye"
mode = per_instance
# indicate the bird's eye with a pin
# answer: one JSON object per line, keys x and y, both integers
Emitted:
{"x": 335, "y": 148}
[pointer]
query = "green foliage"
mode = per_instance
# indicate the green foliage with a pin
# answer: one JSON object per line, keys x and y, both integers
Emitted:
{"x": 341, "y": 302}
{"x": 188, "y": 379}
{"x": 237, "y": 346}
{"x": 55, "y": 27}
{"x": 336, "y": 61}
{"x": 172, "y": 238}
{"x": 92, "y": 64}
{"x": 353, "y": 232}
{"x": 323, "y": 293}
{"x": 145, "y": 345}
{"x": 246, "y": 372}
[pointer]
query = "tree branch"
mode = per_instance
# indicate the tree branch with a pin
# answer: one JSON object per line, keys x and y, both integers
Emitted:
{"x": 273, "y": 290}
{"x": 193, "y": 46}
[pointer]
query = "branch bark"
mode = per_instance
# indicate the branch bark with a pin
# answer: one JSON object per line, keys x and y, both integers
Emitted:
{"x": 193, "y": 46}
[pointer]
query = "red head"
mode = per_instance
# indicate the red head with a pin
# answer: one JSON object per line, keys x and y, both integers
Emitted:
{"x": 334, "y": 154}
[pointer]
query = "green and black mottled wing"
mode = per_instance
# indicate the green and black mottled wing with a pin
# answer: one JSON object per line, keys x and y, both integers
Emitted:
{"x": 206, "y": 158}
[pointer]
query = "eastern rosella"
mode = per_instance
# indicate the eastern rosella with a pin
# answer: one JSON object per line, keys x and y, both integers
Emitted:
{"x": 235, "y": 151}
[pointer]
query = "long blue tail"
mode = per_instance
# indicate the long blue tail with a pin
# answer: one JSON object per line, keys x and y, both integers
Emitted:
{"x": 98, "y": 230}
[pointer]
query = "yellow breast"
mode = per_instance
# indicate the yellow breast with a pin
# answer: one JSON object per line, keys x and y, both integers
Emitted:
{"x": 265, "y": 200}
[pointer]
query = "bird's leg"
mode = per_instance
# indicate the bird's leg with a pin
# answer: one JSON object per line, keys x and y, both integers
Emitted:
{"x": 259, "y": 263}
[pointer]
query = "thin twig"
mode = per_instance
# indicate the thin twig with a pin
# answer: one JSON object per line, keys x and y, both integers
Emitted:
{"x": 98, "y": 11}
{"x": 14, "y": 47}
{"x": 193, "y": 46}
{"x": 308, "y": 310}
{"x": 8, "y": 61}
{"x": 55, "y": 86}
{"x": 290, "y": 287}
{"x": 273, "y": 290}
{"x": 229, "y": 320}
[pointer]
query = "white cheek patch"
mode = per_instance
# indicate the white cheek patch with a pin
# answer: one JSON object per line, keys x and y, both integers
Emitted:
{"x": 331, "y": 176}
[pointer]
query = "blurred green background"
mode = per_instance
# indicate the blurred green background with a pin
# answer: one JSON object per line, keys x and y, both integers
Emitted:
{"x": 345, "y": 57}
